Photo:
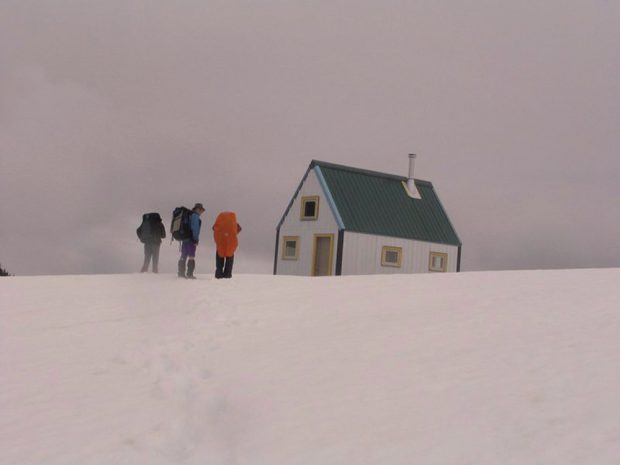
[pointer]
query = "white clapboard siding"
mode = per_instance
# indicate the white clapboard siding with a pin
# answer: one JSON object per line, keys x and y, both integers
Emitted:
{"x": 362, "y": 254}
{"x": 293, "y": 226}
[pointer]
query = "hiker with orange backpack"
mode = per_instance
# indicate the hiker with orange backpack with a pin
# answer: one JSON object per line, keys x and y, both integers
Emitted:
{"x": 225, "y": 231}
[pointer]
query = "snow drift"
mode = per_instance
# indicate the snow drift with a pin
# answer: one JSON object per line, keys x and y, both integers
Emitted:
{"x": 471, "y": 368}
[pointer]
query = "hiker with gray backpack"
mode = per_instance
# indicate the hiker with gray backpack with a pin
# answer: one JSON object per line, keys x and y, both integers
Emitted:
{"x": 150, "y": 233}
{"x": 185, "y": 227}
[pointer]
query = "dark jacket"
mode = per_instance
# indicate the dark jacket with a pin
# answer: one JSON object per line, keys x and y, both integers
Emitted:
{"x": 152, "y": 230}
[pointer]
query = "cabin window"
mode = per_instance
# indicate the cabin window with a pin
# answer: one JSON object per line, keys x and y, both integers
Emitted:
{"x": 438, "y": 261}
{"x": 391, "y": 256}
{"x": 310, "y": 208}
{"x": 290, "y": 248}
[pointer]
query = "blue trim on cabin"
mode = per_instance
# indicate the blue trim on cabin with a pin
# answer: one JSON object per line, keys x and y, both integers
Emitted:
{"x": 330, "y": 199}
{"x": 293, "y": 199}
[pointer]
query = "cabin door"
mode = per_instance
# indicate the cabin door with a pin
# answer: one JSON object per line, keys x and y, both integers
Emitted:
{"x": 322, "y": 256}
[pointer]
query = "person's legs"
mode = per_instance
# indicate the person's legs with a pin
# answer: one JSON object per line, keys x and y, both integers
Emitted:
{"x": 184, "y": 254}
{"x": 229, "y": 266}
{"x": 188, "y": 250}
{"x": 219, "y": 266}
{"x": 156, "y": 258}
{"x": 147, "y": 258}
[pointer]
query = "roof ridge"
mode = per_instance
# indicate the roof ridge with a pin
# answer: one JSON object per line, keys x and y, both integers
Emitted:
{"x": 365, "y": 172}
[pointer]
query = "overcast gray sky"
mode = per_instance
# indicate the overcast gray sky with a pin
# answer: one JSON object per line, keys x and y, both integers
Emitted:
{"x": 113, "y": 108}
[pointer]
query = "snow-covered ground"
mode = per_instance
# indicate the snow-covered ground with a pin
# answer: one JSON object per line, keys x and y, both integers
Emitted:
{"x": 489, "y": 368}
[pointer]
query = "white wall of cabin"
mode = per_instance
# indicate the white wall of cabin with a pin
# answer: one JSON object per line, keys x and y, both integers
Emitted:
{"x": 294, "y": 226}
{"x": 362, "y": 254}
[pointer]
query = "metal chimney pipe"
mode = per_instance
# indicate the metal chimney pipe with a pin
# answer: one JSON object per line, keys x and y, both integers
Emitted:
{"x": 410, "y": 183}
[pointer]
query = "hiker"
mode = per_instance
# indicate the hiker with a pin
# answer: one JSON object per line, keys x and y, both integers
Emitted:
{"x": 150, "y": 233}
{"x": 225, "y": 232}
{"x": 188, "y": 246}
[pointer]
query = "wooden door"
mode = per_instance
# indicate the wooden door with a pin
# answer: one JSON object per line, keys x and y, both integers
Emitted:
{"x": 323, "y": 254}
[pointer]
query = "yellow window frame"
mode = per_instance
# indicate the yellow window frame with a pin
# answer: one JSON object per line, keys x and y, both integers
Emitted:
{"x": 286, "y": 239}
{"x": 388, "y": 248}
{"x": 444, "y": 258}
{"x": 306, "y": 199}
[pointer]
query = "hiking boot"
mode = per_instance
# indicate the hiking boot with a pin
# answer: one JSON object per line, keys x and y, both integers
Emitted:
{"x": 181, "y": 273}
{"x": 191, "y": 265}
{"x": 219, "y": 266}
{"x": 228, "y": 267}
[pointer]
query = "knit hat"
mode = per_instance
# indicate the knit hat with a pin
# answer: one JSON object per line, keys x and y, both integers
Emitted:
{"x": 198, "y": 206}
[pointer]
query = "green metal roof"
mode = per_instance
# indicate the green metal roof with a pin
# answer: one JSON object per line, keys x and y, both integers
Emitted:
{"x": 377, "y": 203}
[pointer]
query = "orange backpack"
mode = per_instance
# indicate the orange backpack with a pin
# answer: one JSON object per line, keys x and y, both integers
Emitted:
{"x": 225, "y": 232}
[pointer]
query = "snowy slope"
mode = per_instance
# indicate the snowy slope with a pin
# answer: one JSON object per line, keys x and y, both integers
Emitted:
{"x": 494, "y": 368}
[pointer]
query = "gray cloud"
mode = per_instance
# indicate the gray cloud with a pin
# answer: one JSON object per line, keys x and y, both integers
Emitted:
{"x": 111, "y": 109}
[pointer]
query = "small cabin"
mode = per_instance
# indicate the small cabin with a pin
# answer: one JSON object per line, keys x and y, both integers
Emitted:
{"x": 350, "y": 221}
